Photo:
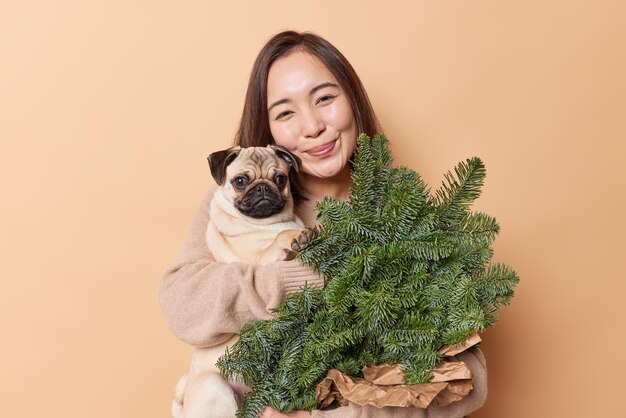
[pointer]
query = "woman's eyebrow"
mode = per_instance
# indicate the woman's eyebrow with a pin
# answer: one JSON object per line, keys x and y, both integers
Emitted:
{"x": 278, "y": 102}
{"x": 312, "y": 92}
{"x": 321, "y": 86}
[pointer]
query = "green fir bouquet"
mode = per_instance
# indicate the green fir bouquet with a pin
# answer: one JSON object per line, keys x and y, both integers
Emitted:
{"x": 407, "y": 273}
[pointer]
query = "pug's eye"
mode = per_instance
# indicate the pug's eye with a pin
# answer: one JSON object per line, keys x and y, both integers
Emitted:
{"x": 280, "y": 179}
{"x": 240, "y": 182}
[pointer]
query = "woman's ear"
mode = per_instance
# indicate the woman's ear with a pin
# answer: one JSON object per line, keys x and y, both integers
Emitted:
{"x": 219, "y": 160}
{"x": 291, "y": 159}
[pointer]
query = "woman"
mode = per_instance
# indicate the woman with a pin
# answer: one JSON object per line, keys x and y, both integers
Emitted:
{"x": 304, "y": 95}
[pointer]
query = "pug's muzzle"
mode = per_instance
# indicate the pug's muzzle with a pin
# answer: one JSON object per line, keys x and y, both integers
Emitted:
{"x": 261, "y": 201}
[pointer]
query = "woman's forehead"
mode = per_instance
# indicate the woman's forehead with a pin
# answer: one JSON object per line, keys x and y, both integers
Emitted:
{"x": 296, "y": 73}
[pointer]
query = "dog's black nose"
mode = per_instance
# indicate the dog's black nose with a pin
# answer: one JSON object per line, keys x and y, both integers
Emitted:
{"x": 262, "y": 189}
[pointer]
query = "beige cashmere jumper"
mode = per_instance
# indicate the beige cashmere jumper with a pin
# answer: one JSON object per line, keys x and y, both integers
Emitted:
{"x": 205, "y": 302}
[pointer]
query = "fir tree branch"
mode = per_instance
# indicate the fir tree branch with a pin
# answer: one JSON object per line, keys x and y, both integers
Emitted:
{"x": 405, "y": 275}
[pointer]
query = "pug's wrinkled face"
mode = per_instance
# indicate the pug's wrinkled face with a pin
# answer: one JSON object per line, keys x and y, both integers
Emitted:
{"x": 256, "y": 179}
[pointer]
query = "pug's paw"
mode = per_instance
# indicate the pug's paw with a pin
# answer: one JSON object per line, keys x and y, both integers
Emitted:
{"x": 289, "y": 254}
{"x": 305, "y": 236}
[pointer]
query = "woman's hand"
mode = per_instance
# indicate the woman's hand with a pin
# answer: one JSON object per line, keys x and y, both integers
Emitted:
{"x": 272, "y": 413}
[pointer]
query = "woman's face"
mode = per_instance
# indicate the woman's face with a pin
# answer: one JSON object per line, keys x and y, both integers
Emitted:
{"x": 310, "y": 114}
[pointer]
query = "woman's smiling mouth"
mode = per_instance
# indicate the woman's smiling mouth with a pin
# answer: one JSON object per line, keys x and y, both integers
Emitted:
{"x": 322, "y": 150}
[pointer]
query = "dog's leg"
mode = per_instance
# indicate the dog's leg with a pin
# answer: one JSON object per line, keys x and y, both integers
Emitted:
{"x": 302, "y": 238}
{"x": 208, "y": 395}
{"x": 179, "y": 395}
{"x": 286, "y": 245}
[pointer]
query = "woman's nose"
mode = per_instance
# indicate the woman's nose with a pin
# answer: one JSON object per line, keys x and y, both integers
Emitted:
{"x": 313, "y": 125}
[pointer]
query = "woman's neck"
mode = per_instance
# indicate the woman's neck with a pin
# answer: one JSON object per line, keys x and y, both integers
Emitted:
{"x": 337, "y": 186}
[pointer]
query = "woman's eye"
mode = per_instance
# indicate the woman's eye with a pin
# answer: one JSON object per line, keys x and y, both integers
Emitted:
{"x": 280, "y": 180}
{"x": 240, "y": 182}
{"x": 325, "y": 99}
{"x": 282, "y": 115}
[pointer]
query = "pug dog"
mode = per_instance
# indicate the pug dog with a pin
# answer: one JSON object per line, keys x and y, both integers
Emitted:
{"x": 251, "y": 220}
{"x": 252, "y": 217}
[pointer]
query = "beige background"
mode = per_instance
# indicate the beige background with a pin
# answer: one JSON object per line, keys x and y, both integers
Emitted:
{"x": 108, "y": 109}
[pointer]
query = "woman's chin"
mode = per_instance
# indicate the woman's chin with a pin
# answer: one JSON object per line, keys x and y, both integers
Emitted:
{"x": 324, "y": 172}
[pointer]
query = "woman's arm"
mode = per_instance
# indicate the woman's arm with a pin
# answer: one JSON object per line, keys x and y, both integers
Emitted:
{"x": 475, "y": 360}
{"x": 205, "y": 302}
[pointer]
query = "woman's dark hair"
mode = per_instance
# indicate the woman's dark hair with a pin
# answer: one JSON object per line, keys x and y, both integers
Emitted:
{"x": 254, "y": 127}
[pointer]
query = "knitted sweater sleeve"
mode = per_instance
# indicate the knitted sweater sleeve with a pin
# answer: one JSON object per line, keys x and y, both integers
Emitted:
{"x": 205, "y": 302}
{"x": 473, "y": 358}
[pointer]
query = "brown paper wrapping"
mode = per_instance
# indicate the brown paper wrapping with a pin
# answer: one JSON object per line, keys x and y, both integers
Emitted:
{"x": 383, "y": 385}
{"x": 453, "y": 350}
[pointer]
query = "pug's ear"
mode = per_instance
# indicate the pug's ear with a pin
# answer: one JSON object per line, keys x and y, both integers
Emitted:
{"x": 291, "y": 159}
{"x": 219, "y": 160}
